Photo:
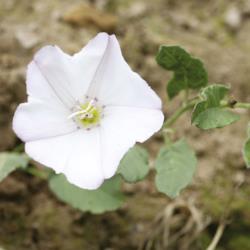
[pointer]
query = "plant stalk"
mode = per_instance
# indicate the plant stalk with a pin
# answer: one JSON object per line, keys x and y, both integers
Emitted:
{"x": 173, "y": 118}
{"x": 217, "y": 237}
{"x": 242, "y": 105}
{"x": 38, "y": 173}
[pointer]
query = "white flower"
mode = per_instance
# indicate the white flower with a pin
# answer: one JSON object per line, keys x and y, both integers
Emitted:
{"x": 85, "y": 111}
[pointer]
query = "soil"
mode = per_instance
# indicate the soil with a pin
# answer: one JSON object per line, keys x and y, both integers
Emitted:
{"x": 217, "y": 31}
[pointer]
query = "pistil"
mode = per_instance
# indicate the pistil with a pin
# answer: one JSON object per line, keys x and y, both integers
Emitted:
{"x": 87, "y": 115}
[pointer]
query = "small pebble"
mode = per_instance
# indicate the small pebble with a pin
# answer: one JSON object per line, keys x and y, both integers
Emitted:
{"x": 233, "y": 18}
{"x": 27, "y": 39}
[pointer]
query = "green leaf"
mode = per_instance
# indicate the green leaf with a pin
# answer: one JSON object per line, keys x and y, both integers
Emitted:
{"x": 246, "y": 153}
{"x": 209, "y": 113}
{"x": 215, "y": 118}
{"x": 106, "y": 198}
{"x": 189, "y": 72}
{"x": 246, "y": 148}
{"x": 248, "y": 130}
{"x": 212, "y": 96}
{"x": 198, "y": 109}
{"x": 214, "y": 93}
{"x": 176, "y": 84}
{"x": 175, "y": 166}
{"x": 134, "y": 165}
{"x": 11, "y": 161}
{"x": 172, "y": 57}
{"x": 196, "y": 74}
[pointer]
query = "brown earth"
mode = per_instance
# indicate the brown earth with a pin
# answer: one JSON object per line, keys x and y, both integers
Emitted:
{"x": 217, "y": 31}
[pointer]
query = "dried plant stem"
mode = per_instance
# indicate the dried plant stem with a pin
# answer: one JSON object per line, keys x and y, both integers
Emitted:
{"x": 217, "y": 236}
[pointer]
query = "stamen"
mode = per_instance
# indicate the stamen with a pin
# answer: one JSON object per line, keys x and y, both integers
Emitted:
{"x": 84, "y": 111}
{"x": 90, "y": 105}
{"x": 88, "y": 114}
{"x": 74, "y": 114}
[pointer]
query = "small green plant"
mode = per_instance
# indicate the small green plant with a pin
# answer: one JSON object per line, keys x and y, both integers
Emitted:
{"x": 210, "y": 107}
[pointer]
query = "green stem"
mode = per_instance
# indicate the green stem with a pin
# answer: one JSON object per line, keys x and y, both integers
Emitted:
{"x": 38, "y": 173}
{"x": 191, "y": 103}
{"x": 167, "y": 132}
{"x": 228, "y": 104}
{"x": 172, "y": 119}
{"x": 242, "y": 105}
{"x": 19, "y": 148}
{"x": 186, "y": 95}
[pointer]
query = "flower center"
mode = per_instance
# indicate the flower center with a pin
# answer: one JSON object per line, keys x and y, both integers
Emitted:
{"x": 87, "y": 115}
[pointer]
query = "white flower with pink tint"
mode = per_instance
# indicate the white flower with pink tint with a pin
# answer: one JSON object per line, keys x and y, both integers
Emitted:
{"x": 85, "y": 111}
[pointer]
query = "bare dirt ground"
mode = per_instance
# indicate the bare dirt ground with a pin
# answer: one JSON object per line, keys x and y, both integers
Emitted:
{"x": 217, "y": 31}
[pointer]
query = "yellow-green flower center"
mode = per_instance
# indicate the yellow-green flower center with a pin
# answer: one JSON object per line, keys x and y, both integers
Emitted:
{"x": 91, "y": 115}
{"x": 87, "y": 115}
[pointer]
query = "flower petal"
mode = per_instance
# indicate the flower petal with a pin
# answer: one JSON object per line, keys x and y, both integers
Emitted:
{"x": 87, "y": 61}
{"x": 115, "y": 84}
{"x": 121, "y": 128}
{"x": 54, "y": 74}
{"x": 84, "y": 167}
{"x": 77, "y": 155}
{"x": 37, "y": 120}
{"x": 54, "y": 68}
{"x": 38, "y": 87}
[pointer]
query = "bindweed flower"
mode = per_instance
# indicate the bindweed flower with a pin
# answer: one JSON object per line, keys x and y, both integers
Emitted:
{"x": 85, "y": 111}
